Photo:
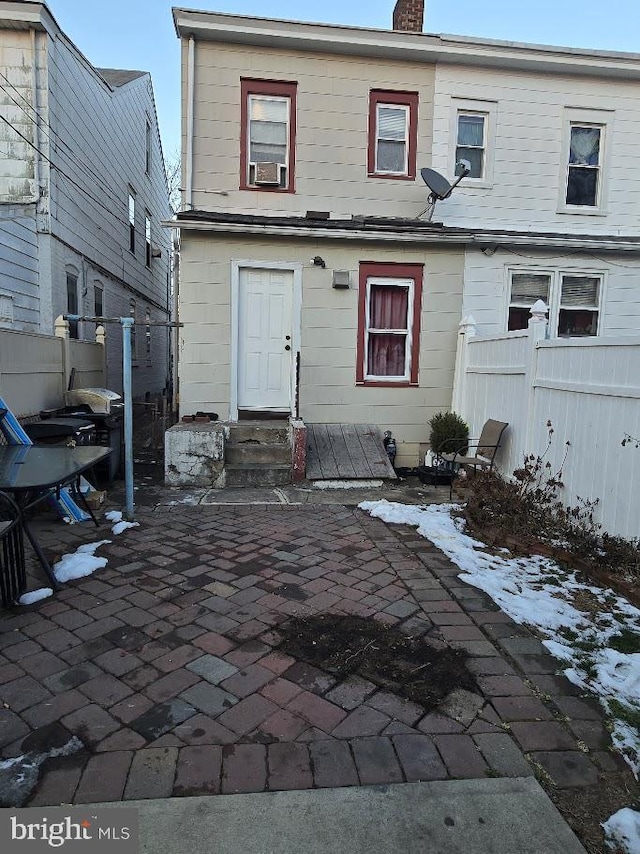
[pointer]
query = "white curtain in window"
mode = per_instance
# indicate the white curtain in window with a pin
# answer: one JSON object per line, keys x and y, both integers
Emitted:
{"x": 528, "y": 287}
{"x": 471, "y": 130}
{"x": 580, "y": 290}
{"x": 585, "y": 146}
{"x": 392, "y": 123}
{"x": 266, "y": 110}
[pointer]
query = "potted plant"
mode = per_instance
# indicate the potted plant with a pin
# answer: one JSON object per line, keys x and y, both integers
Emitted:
{"x": 449, "y": 433}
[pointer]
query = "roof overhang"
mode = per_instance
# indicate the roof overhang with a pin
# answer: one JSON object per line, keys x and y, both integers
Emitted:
{"x": 27, "y": 15}
{"x": 407, "y": 47}
{"x": 375, "y": 230}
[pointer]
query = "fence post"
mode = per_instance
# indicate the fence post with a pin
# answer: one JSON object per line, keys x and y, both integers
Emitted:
{"x": 537, "y": 332}
{"x": 61, "y": 330}
{"x": 466, "y": 331}
{"x": 101, "y": 339}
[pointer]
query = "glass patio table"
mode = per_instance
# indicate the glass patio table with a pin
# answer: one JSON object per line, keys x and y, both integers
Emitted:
{"x": 32, "y": 473}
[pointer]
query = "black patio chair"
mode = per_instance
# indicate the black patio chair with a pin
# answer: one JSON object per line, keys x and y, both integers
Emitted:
{"x": 486, "y": 448}
{"x": 13, "y": 573}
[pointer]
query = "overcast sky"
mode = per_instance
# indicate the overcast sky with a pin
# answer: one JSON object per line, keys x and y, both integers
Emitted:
{"x": 139, "y": 34}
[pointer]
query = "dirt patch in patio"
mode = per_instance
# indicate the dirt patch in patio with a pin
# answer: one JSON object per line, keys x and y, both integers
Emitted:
{"x": 409, "y": 667}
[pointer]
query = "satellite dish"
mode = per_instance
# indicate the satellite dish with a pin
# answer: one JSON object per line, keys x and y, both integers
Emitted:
{"x": 439, "y": 187}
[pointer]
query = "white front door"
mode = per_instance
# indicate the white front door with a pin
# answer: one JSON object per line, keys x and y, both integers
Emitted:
{"x": 265, "y": 339}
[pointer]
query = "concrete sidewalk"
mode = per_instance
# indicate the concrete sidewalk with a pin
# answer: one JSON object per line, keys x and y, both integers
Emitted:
{"x": 463, "y": 817}
{"x": 165, "y": 666}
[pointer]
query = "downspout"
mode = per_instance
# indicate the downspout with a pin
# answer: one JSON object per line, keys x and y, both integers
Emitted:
{"x": 191, "y": 61}
{"x": 36, "y": 126}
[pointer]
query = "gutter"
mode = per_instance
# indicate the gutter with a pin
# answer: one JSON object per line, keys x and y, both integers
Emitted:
{"x": 465, "y": 237}
{"x": 191, "y": 65}
{"x": 224, "y": 28}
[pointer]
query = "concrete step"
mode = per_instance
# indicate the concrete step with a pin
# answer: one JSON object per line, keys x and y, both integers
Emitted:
{"x": 242, "y": 474}
{"x": 264, "y": 432}
{"x": 258, "y": 454}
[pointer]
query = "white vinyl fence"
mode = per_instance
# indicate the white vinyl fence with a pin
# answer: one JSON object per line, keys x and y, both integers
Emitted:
{"x": 35, "y": 369}
{"x": 588, "y": 388}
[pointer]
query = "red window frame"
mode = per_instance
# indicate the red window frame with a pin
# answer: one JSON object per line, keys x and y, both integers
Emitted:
{"x": 404, "y": 99}
{"x": 374, "y": 269}
{"x": 281, "y": 89}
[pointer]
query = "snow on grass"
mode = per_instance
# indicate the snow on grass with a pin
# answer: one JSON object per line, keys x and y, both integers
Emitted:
{"x": 120, "y": 526}
{"x": 80, "y": 563}
{"x": 35, "y": 596}
{"x": 584, "y": 626}
{"x": 623, "y": 830}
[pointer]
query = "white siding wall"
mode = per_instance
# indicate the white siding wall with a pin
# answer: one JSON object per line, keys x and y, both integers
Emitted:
{"x": 527, "y": 157}
{"x": 589, "y": 390}
{"x": 18, "y": 171}
{"x": 96, "y": 136}
{"x": 102, "y": 148}
{"x": 331, "y": 142}
{"x": 487, "y": 285}
{"x": 328, "y": 393}
{"x": 19, "y": 265}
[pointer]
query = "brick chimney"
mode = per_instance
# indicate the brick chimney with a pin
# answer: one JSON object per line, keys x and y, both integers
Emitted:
{"x": 408, "y": 16}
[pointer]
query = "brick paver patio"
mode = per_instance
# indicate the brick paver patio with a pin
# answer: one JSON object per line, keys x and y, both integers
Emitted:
{"x": 166, "y": 666}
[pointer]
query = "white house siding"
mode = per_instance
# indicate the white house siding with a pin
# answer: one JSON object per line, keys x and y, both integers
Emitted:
{"x": 487, "y": 285}
{"x": 149, "y": 374}
{"x": 18, "y": 170}
{"x": 19, "y": 268}
{"x": 527, "y": 158}
{"x": 328, "y": 393}
{"x": 331, "y": 139}
{"x": 95, "y": 134}
{"x": 104, "y": 151}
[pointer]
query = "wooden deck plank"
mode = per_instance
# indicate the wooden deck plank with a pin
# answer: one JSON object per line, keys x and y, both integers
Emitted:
{"x": 358, "y": 454}
{"x": 314, "y": 469}
{"x": 371, "y": 439}
{"x": 325, "y": 453}
{"x": 340, "y": 452}
{"x": 346, "y": 452}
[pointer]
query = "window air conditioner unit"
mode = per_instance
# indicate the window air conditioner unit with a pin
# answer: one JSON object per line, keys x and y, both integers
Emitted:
{"x": 268, "y": 173}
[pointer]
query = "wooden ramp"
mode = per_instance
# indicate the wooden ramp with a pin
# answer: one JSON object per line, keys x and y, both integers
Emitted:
{"x": 346, "y": 452}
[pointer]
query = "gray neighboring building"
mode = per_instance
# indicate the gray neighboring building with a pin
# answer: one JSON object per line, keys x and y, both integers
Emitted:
{"x": 83, "y": 192}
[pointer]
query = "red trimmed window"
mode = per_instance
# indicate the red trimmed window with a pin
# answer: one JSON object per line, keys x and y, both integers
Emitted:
{"x": 389, "y": 306}
{"x": 393, "y": 130}
{"x": 267, "y": 135}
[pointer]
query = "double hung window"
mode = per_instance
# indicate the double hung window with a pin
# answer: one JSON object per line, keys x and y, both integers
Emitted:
{"x": 267, "y": 144}
{"x": 470, "y": 143}
{"x": 574, "y": 301}
{"x": 393, "y": 122}
{"x": 583, "y": 175}
{"x": 389, "y": 324}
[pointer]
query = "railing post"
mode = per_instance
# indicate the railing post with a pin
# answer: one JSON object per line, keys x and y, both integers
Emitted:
{"x": 537, "y": 332}
{"x": 127, "y": 324}
{"x": 61, "y": 330}
{"x": 466, "y": 331}
{"x": 101, "y": 339}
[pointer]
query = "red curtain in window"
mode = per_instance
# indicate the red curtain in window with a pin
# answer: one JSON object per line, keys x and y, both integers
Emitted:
{"x": 388, "y": 309}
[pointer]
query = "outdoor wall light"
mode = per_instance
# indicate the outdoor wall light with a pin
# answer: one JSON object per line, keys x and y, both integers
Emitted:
{"x": 317, "y": 261}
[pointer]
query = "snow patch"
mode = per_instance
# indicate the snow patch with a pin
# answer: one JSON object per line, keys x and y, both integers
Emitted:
{"x": 80, "y": 563}
{"x": 623, "y": 830}
{"x": 120, "y": 526}
{"x": 35, "y": 596}
{"x": 535, "y": 591}
{"x": 347, "y": 484}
